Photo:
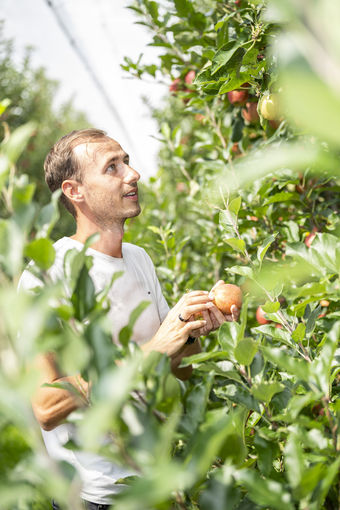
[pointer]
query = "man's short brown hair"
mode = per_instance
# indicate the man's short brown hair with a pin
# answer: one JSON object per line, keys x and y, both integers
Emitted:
{"x": 61, "y": 163}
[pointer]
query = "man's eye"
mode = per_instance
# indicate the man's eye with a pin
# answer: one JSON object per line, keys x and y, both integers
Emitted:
{"x": 111, "y": 168}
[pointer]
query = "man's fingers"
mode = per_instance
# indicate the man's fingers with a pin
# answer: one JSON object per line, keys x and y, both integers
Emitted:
{"x": 192, "y": 325}
{"x": 209, "y": 325}
{"x": 218, "y": 315}
{"x": 215, "y": 323}
{"x": 235, "y": 312}
{"x": 191, "y": 309}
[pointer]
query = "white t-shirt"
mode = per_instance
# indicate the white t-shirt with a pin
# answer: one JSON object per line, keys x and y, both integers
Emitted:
{"x": 138, "y": 283}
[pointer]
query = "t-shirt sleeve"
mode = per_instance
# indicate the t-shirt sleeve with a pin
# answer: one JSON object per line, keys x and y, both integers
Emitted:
{"x": 163, "y": 307}
{"x": 28, "y": 281}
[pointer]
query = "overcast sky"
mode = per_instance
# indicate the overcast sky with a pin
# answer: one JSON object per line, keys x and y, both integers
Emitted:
{"x": 105, "y": 32}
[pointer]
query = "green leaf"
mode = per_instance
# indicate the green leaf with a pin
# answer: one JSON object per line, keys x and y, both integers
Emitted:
{"x": 284, "y": 196}
{"x": 264, "y": 492}
{"x": 278, "y": 334}
{"x": 299, "y": 333}
{"x": 83, "y": 297}
{"x": 4, "y": 104}
{"x": 310, "y": 478}
{"x": 22, "y": 193}
{"x": 223, "y": 56}
{"x": 267, "y": 451}
{"x": 320, "y": 368}
{"x": 234, "y": 205}
{"x": 98, "y": 335}
{"x": 222, "y": 368}
{"x": 271, "y": 307}
{"x": 265, "y": 390}
{"x": 154, "y": 229}
{"x": 42, "y": 252}
{"x": 262, "y": 250}
{"x": 325, "y": 251}
{"x": 5, "y": 166}
{"x": 195, "y": 405}
{"x": 228, "y": 337}
{"x": 220, "y": 492}
{"x": 298, "y": 402}
{"x": 243, "y": 320}
{"x": 48, "y": 216}
{"x": 245, "y": 351}
{"x": 126, "y": 332}
{"x": 222, "y": 36}
{"x": 327, "y": 480}
{"x": 218, "y": 432}
{"x": 165, "y": 130}
{"x": 204, "y": 356}
{"x": 236, "y": 244}
{"x": 294, "y": 463}
{"x": 17, "y": 141}
{"x": 153, "y": 10}
{"x": 298, "y": 367}
{"x": 183, "y": 7}
{"x": 242, "y": 271}
{"x": 228, "y": 219}
{"x": 259, "y": 163}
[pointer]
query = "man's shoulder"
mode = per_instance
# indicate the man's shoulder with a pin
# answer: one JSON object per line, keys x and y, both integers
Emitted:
{"x": 29, "y": 280}
{"x": 129, "y": 248}
{"x": 132, "y": 251}
{"x": 64, "y": 244}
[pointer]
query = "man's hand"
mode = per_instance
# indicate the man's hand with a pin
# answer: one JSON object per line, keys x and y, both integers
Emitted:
{"x": 180, "y": 323}
{"x": 214, "y": 317}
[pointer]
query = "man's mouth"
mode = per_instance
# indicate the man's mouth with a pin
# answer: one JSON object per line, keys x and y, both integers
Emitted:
{"x": 132, "y": 195}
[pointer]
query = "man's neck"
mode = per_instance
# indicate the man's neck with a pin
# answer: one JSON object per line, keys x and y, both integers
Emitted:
{"x": 109, "y": 242}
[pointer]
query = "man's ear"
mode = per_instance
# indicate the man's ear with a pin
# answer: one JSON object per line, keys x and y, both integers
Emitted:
{"x": 72, "y": 190}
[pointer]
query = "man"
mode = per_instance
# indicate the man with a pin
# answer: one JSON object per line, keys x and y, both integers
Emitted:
{"x": 99, "y": 187}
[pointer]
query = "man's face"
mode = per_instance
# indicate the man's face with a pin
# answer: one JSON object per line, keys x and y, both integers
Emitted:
{"x": 109, "y": 184}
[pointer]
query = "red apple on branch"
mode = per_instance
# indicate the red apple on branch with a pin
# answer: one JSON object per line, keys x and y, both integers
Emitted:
{"x": 238, "y": 97}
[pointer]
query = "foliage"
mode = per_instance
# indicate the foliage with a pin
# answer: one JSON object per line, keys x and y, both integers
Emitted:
{"x": 257, "y": 424}
{"x": 31, "y": 97}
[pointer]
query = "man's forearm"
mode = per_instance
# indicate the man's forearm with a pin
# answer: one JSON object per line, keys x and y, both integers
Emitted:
{"x": 52, "y": 405}
{"x": 188, "y": 350}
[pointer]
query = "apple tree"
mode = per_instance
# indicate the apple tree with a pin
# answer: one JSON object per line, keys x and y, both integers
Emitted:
{"x": 247, "y": 191}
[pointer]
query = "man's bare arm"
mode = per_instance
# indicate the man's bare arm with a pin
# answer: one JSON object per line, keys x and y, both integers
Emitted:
{"x": 188, "y": 350}
{"x": 51, "y": 406}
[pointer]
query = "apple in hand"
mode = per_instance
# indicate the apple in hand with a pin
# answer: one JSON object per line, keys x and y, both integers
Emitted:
{"x": 226, "y": 295}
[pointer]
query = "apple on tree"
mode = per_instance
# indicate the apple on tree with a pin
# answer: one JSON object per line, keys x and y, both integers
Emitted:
{"x": 270, "y": 107}
{"x": 238, "y": 97}
{"x": 175, "y": 85}
{"x": 261, "y": 316}
{"x": 189, "y": 77}
{"x": 310, "y": 237}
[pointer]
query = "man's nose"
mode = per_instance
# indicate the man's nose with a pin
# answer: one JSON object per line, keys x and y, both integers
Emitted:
{"x": 132, "y": 175}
